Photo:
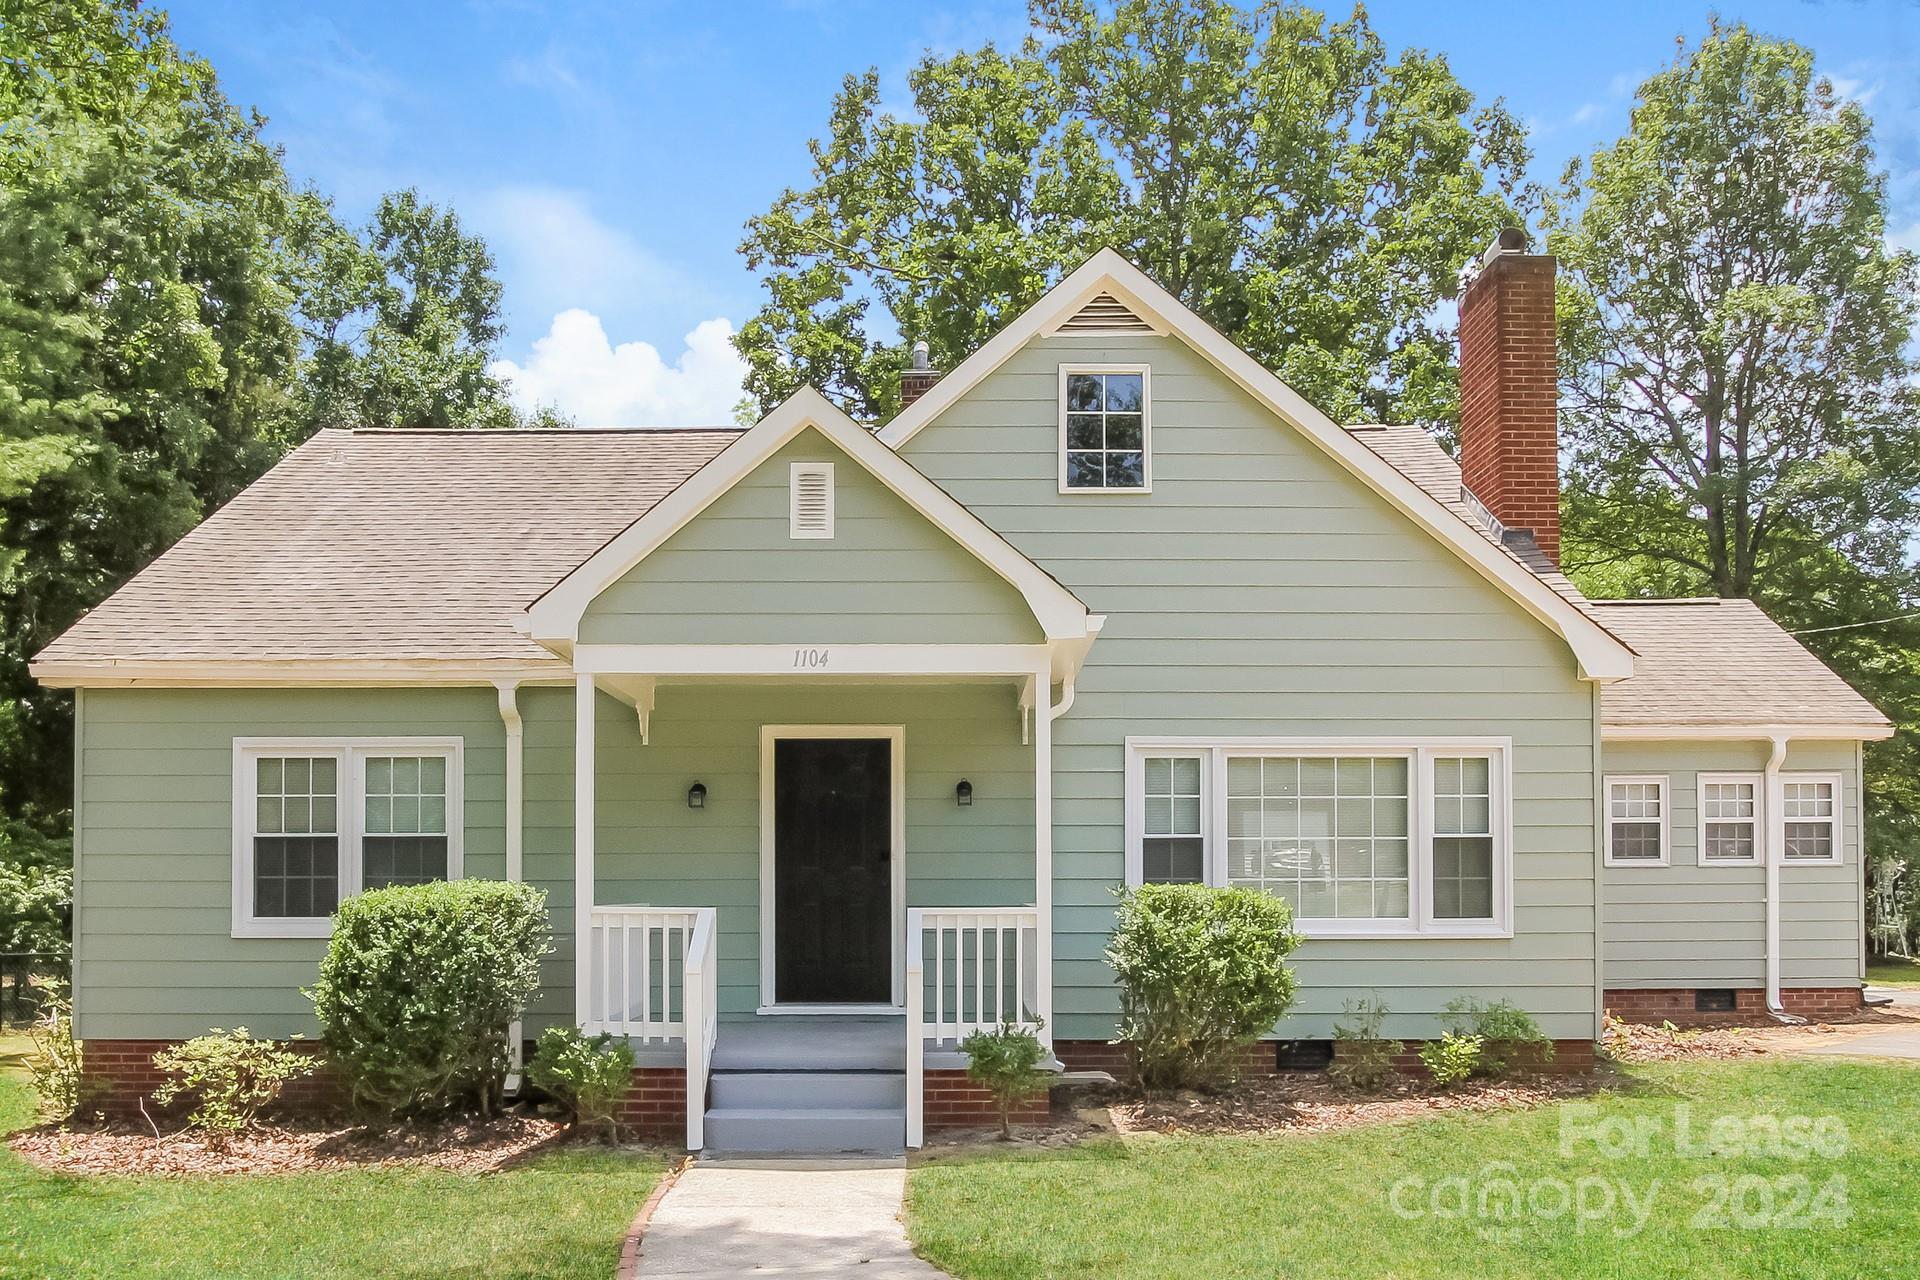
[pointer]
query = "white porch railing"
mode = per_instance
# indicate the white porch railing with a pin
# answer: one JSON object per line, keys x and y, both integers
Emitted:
{"x": 636, "y": 961}
{"x": 967, "y": 969}
{"x": 652, "y": 978}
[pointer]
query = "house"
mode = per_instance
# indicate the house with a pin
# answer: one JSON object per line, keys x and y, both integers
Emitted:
{"x": 876, "y": 723}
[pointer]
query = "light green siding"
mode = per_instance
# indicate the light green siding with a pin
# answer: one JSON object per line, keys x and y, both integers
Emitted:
{"x": 1261, "y": 590}
{"x": 733, "y": 575}
{"x": 1688, "y": 925}
{"x": 155, "y": 956}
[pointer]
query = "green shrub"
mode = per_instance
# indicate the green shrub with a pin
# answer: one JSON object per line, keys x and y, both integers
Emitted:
{"x": 1362, "y": 1057}
{"x": 1007, "y": 1061}
{"x": 586, "y": 1075}
{"x": 1452, "y": 1058}
{"x": 1508, "y": 1033}
{"x": 55, "y": 1064}
{"x": 231, "y": 1076}
{"x": 418, "y": 985}
{"x": 1202, "y": 975}
{"x": 35, "y": 904}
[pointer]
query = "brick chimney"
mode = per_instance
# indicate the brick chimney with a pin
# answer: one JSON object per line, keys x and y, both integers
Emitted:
{"x": 919, "y": 380}
{"x": 1509, "y": 388}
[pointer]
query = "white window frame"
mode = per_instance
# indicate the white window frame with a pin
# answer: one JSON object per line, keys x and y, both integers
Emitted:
{"x": 1146, "y": 426}
{"x": 1758, "y": 781}
{"x": 1659, "y": 780}
{"x": 350, "y": 755}
{"x": 1839, "y": 828}
{"x": 795, "y": 471}
{"x": 1420, "y": 754}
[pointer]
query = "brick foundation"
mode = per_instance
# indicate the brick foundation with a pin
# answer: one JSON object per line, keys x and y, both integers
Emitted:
{"x": 1675, "y": 1005}
{"x": 1570, "y": 1057}
{"x": 655, "y": 1108}
{"x": 955, "y": 1102}
{"x": 121, "y": 1076}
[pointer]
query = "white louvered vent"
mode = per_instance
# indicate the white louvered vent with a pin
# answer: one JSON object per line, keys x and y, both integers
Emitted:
{"x": 810, "y": 500}
{"x": 1105, "y": 314}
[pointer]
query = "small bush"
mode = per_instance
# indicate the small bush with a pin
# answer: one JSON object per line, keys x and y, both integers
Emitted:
{"x": 1508, "y": 1034}
{"x": 417, "y": 988}
{"x": 586, "y": 1075}
{"x": 1007, "y": 1061}
{"x": 1362, "y": 1057}
{"x": 232, "y": 1076}
{"x": 55, "y": 1065}
{"x": 1451, "y": 1058}
{"x": 1202, "y": 974}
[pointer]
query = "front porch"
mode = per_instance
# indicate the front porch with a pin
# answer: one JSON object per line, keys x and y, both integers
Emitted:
{"x": 790, "y": 1015}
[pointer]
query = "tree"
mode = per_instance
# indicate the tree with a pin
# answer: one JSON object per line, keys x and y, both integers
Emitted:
{"x": 1278, "y": 172}
{"x": 145, "y": 332}
{"x": 402, "y": 319}
{"x": 1737, "y": 381}
{"x": 1735, "y": 386}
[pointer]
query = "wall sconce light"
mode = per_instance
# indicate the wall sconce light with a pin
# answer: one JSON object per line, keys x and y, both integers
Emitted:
{"x": 964, "y": 793}
{"x": 697, "y": 796}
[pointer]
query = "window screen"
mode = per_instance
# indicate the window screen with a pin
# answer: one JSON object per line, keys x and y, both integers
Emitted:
{"x": 405, "y": 840}
{"x": 296, "y": 841}
{"x": 1172, "y": 850}
{"x": 1462, "y": 838}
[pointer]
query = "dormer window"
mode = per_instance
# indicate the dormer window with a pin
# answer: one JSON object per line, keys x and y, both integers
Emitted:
{"x": 1104, "y": 429}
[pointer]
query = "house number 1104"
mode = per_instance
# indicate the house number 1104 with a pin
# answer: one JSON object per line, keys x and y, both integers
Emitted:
{"x": 810, "y": 657}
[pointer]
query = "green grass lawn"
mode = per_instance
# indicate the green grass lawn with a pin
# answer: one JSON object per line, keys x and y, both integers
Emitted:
{"x": 561, "y": 1215}
{"x": 1889, "y": 972}
{"x": 1324, "y": 1205}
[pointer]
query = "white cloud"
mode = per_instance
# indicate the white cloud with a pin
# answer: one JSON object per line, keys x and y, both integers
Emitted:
{"x": 577, "y": 370}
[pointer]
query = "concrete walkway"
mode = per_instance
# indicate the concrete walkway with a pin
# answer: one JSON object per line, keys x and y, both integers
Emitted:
{"x": 783, "y": 1218}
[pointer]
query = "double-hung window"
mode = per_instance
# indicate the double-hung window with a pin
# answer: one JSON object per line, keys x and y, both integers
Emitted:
{"x": 1810, "y": 809}
{"x": 318, "y": 820}
{"x": 1731, "y": 834}
{"x": 1361, "y": 838}
{"x": 1104, "y": 429}
{"x": 1636, "y": 823}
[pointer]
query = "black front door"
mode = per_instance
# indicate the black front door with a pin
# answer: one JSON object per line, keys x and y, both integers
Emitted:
{"x": 832, "y": 870}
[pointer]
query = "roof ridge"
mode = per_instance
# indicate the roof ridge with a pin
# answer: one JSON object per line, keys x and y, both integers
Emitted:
{"x": 1637, "y": 600}
{"x": 515, "y": 432}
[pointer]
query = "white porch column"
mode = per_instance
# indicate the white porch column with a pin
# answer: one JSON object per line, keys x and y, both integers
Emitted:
{"x": 1043, "y": 851}
{"x": 584, "y": 760}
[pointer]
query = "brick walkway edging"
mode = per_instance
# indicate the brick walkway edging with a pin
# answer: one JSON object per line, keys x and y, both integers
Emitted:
{"x": 629, "y": 1268}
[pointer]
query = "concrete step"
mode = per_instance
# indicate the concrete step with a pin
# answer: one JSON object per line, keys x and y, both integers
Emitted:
{"x": 805, "y": 1129}
{"x": 801, "y": 1043}
{"x": 859, "y": 1090}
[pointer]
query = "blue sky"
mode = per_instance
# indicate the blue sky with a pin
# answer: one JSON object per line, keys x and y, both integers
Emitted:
{"x": 611, "y": 152}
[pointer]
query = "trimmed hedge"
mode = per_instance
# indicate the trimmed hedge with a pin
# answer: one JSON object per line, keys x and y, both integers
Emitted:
{"x": 418, "y": 986}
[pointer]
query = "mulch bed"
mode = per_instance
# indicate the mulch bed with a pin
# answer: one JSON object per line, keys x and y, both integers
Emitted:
{"x": 1635, "y": 1042}
{"x": 465, "y": 1146}
{"x": 1266, "y": 1105}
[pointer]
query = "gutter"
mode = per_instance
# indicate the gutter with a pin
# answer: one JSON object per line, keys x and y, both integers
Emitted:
{"x": 1776, "y": 854}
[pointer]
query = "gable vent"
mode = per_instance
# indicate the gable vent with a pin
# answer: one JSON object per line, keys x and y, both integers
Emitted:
{"x": 1105, "y": 314}
{"x": 810, "y": 500}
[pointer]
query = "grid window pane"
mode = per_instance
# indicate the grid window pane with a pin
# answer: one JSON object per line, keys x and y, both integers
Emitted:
{"x": 1636, "y": 813}
{"x": 1636, "y": 841}
{"x": 1810, "y": 841}
{"x": 1811, "y": 820}
{"x": 1463, "y": 838}
{"x": 1729, "y": 813}
{"x": 296, "y": 842}
{"x": 1106, "y": 431}
{"x": 406, "y": 820}
{"x": 1172, "y": 851}
{"x": 1326, "y": 833}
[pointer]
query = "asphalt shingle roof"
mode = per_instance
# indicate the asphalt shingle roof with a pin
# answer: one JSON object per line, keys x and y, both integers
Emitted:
{"x": 385, "y": 545}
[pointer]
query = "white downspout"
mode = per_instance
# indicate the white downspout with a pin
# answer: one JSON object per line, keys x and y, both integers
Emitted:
{"x": 516, "y": 754}
{"x": 1776, "y": 854}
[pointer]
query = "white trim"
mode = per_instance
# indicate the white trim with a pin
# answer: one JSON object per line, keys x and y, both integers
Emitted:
{"x": 896, "y": 737}
{"x": 350, "y": 791}
{"x": 1602, "y": 656}
{"x": 1658, "y": 780}
{"x": 1833, "y": 820}
{"x": 797, "y": 474}
{"x": 1419, "y": 752}
{"x": 1753, "y": 778}
{"x": 164, "y": 673}
{"x": 554, "y": 619}
{"x": 1755, "y": 731}
{"x": 586, "y": 818}
{"x": 830, "y": 1010}
{"x": 1146, "y": 427}
{"x": 809, "y": 659}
